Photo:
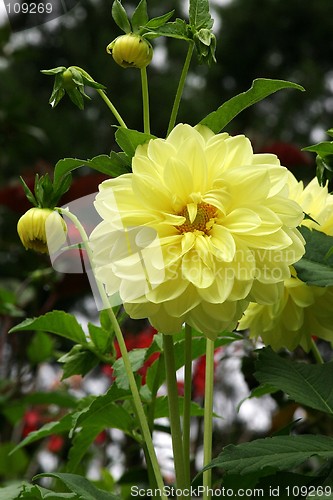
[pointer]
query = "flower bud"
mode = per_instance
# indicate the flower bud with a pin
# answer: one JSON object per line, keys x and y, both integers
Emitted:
{"x": 42, "y": 230}
{"x": 131, "y": 51}
{"x": 67, "y": 80}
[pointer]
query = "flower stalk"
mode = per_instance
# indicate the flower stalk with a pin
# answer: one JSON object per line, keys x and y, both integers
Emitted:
{"x": 145, "y": 101}
{"x": 187, "y": 402}
{"x": 174, "y": 415}
{"x": 208, "y": 417}
{"x": 180, "y": 88}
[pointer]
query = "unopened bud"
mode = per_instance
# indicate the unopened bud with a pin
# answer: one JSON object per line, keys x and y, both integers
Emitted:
{"x": 131, "y": 51}
{"x": 42, "y": 230}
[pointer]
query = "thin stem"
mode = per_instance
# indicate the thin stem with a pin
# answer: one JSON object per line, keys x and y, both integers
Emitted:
{"x": 180, "y": 88}
{"x": 112, "y": 108}
{"x": 176, "y": 433}
{"x": 208, "y": 417}
{"x": 151, "y": 409}
{"x": 123, "y": 350}
{"x": 187, "y": 402}
{"x": 145, "y": 101}
{"x": 104, "y": 97}
{"x": 316, "y": 353}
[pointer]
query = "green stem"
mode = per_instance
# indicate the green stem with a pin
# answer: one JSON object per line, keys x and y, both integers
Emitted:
{"x": 145, "y": 101}
{"x": 208, "y": 417}
{"x": 104, "y": 97}
{"x": 174, "y": 416}
{"x": 156, "y": 384}
{"x": 123, "y": 350}
{"x": 180, "y": 88}
{"x": 112, "y": 108}
{"x": 187, "y": 402}
{"x": 316, "y": 353}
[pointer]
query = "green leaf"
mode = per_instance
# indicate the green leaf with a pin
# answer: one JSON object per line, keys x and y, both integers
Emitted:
{"x": 120, "y": 17}
{"x": 322, "y": 148}
{"x": 113, "y": 165}
{"x": 57, "y": 322}
{"x": 77, "y": 361}
{"x": 199, "y": 14}
{"x": 306, "y": 384}
{"x": 140, "y": 16}
{"x": 12, "y": 492}
{"x": 40, "y": 348}
{"x": 80, "y": 445}
{"x": 101, "y": 414}
{"x": 54, "y": 71}
{"x": 57, "y": 427}
{"x": 260, "y": 89}
{"x": 277, "y": 453}
{"x": 176, "y": 29}
{"x": 79, "y": 485}
{"x": 101, "y": 338}
{"x": 12, "y": 467}
{"x": 129, "y": 139}
{"x": 316, "y": 265}
{"x": 76, "y": 97}
{"x": 156, "y": 22}
{"x": 137, "y": 358}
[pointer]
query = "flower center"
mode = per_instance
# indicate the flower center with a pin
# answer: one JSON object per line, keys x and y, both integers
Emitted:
{"x": 203, "y": 221}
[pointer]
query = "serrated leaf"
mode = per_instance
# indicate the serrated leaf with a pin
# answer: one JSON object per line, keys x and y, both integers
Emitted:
{"x": 57, "y": 427}
{"x": 129, "y": 140}
{"x": 80, "y": 445}
{"x": 120, "y": 17}
{"x": 101, "y": 338}
{"x": 140, "y": 16}
{"x": 137, "y": 359}
{"x": 261, "y": 88}
{"x": 79, "y": 485}
{"x": 316, "y": 265}
{"x": 156, "y": 22}
{"x": 113, "y": 165}
{"x": 77, "y": 362}
{"x": 199, "y": 14}
{"x": 272, "y": 453}
{"x": 57, "y": 322}
{"x": 176, "y": 29}
{"x": 322, "y": 148}
{"x": 12, "y": 492}
{"x": 306, "y": 384}
{"x": 40, "y": 348}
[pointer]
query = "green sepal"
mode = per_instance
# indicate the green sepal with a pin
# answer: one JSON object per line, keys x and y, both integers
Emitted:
{"x": 28, "y": 193}
{"x": 53, "y": 71}
{"x": 140, "y": 16}
{"x": 120, "y": 17}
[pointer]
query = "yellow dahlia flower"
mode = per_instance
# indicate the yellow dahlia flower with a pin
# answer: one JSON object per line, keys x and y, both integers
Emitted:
{"x": 201, "y": 227}
{"x": 302, "y": 311}
{"x": 42, "y": 230}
